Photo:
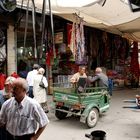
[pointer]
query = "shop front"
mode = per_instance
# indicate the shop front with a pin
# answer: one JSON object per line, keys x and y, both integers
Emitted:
{"x": 107, "y": 50}
{"x": 75, "y": 44}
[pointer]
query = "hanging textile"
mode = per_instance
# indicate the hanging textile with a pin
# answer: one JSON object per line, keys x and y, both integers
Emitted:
{"x": 82, "y": 41}
{"x": 80, "y": 44}
{"x": 106, "y": 47}
{"x": 134, "y": 62}
{"x": 73, "y": 41}
{"x": 77, "y": 41}
{"x": 48, "y": 59}
{"x": 69, "y": 31}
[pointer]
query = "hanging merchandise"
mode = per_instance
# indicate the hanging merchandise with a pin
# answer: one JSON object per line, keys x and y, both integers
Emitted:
{"x": 80, "y": 44}
{"x": 49, "y": 56}
{"x": 77, "y": 42}
{"x": 106, "y": 49}
{"x": 69, "y": 32}
{"x": 83, "y": 50}
{"x": 134, "y": 63}
{"x": 72, "y": 41}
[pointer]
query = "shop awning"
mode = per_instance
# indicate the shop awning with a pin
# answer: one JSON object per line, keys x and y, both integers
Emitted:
{"x": 115, "y": 16}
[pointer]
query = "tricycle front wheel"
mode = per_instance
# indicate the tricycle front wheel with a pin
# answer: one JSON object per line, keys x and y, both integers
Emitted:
{"x": 92, "y": 117}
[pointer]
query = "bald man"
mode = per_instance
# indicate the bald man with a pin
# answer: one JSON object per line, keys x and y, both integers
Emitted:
{"x": 23, "y": 116}
{"x": 100, "y": 78}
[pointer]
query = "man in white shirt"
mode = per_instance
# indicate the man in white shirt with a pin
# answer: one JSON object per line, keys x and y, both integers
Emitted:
{"x": 23, "y": 117}
{"x": 30, "y": 79}
{"x": 81, "y": 73}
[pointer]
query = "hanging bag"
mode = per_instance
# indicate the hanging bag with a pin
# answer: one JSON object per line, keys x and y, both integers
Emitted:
{"x": 41, "y": 84}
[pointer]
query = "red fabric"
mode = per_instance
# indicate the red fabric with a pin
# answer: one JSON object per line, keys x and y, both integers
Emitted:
{"x": 48, "y": 59}
{"x": 2, "y": 80}
{"x": 134, "y": 60}
{"x": 49, "y": 56}
{"x": 69, "y": 30}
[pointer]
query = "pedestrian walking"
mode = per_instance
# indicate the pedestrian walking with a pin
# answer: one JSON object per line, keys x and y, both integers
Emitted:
{"x": 39, "y": 92}
{"x": 30, "y": 79}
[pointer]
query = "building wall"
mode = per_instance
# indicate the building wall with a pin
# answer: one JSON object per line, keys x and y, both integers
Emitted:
{"x": 11, "y": 50}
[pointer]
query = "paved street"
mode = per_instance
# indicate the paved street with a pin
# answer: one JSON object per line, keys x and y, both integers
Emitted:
{"x": 119, "y": 123}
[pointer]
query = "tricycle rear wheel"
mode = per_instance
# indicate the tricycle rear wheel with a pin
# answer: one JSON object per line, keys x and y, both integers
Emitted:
{"x": 92, "y": 117}
{"x": 60, "y": 114}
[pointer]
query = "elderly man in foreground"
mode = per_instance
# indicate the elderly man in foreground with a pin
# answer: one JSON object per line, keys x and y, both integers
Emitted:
{"x": 21, "y": 114}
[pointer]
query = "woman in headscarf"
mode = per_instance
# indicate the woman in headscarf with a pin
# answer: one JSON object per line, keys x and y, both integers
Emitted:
{"x": 39, "y": 92}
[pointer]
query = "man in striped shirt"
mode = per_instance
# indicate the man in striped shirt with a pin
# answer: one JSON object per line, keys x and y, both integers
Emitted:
{"x": 23, "y": 117}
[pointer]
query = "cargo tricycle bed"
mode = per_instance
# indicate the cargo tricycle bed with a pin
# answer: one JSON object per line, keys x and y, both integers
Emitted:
{"x": 87, "y": 104}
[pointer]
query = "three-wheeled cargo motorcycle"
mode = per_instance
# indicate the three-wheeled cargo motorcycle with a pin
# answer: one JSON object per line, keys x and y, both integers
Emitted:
{"x": 87, "y": 102}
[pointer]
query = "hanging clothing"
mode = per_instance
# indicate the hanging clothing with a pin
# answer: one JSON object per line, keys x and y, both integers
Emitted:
{"x": 134, "y": 61}
{"x": 80, "y": 44}
{"x": 73, "y": 41}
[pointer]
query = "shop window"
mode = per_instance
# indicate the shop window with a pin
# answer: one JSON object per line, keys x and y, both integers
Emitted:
{"x": 3, "y": 52}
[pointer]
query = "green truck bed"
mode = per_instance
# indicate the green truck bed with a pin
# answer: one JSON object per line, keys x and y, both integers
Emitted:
{"x": 69, "y": 96}
{"x": 87, "y": 104}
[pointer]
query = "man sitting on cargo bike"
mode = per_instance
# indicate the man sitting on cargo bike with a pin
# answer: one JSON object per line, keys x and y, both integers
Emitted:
{"x": 80, "y": 73}
{"x": 80, "y": 79}
{"x": 81, "y": 100}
